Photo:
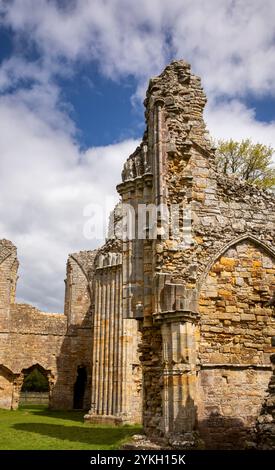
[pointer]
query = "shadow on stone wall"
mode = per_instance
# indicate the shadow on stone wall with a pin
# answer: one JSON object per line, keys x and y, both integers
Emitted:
{"x": 75, "y": 354}
{"x": 265, "y": 426}
{"x": 216, "y": 432}
{"x": 224, "y": 433}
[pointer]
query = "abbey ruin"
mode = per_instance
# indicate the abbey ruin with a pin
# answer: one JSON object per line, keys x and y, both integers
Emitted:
{"x": 172, "y": 330}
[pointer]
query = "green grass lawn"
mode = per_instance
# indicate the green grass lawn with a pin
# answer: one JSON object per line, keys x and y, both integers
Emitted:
{"x": 36, "y": 427}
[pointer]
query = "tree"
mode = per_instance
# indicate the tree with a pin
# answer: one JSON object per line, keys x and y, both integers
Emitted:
{"x": 35, "y": 382}
{"x": 250, "y": 162}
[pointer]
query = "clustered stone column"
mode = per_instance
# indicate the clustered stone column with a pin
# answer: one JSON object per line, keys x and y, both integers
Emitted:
{"x": 115, "y": 369}
{"x": 107, "y": 345}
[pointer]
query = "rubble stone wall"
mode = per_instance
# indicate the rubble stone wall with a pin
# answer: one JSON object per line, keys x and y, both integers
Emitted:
{"x": 211, "y": 278}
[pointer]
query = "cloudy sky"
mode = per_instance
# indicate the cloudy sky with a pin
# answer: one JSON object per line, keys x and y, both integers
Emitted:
{"x": 72, "y": 80}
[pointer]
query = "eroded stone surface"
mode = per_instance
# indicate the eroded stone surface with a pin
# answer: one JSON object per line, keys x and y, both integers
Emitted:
{"x": 265, "y": 425}
{"x": 174, "y": 329}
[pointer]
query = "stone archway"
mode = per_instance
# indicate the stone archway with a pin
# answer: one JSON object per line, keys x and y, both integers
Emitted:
{"x": 236, "y": 329}
{"x": 21, "y": 380}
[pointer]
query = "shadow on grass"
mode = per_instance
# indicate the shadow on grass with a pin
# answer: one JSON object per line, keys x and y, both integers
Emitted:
{"x": 40, "y": 410}
{"x": 103, "y": 437}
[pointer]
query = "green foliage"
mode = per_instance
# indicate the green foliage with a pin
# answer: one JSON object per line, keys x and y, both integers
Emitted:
{"x": 35, "y": 382}
{"x": 37, "y": 428}
{"x": 250, "y": 162}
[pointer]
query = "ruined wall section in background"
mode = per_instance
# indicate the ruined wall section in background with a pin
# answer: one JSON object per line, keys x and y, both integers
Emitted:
{"x": 57, "y": 343}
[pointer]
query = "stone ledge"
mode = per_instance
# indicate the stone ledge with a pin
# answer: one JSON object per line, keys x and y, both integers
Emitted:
{"x": 104, "y": 419}
{"x": 175, "y": 315}
{"x": 236, "y": 366}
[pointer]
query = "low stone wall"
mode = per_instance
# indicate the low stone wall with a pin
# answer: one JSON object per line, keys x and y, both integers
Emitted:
{"x": 34, "y": 398}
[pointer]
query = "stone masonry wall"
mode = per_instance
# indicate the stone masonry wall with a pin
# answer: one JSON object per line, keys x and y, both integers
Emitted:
{"x": 56, "y": 343}
{"x": 265, "y": 426}
{"x": 236, "y": 324}
{"x": 236, "y": 329}
{"x": 8, "y": 278}
{"x": 224, "y": 239}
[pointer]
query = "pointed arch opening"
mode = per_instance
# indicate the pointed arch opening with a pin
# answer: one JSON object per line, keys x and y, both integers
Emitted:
{"x": 244, "y": 238}
{"x": 35, "y": 389}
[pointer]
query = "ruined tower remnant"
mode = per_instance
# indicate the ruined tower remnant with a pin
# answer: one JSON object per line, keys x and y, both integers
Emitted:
{"x": 172, "y": 317}
{"x": 195, "y": 289}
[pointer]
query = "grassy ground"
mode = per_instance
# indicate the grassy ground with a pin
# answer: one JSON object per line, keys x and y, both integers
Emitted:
{"x": 36, "y": 427}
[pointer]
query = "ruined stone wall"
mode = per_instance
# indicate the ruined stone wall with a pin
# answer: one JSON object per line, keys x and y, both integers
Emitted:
{"x": 57, "y": 343}
{"x": 33, "y": 338}
{"x": 8, "y": 278}
{"x": 152, "y": 369}
{"x": 188, "y": 295}
{"x": 236, "y": 331}
{"x": 236, "y": 324}
{"x": 93, "y": 333}
{"x": 78, "y": 292}
{"x": 231, "y": 222}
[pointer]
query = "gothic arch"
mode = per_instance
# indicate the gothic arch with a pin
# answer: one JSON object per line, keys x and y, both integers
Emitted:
{"x": 47, "y": 374}
{"x": 41, "y": 369}
{"x": 247, "y": 237}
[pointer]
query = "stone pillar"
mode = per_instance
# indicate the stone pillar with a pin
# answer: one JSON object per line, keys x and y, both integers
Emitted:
{"x": 17, "y": 385}
{"x": 95, "y": 347}
{"x": 115, "y": 372}
{"x": 179, "y": 376}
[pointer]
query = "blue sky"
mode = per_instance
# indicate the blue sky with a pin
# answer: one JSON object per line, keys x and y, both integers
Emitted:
{"x": 73, "y": 76}
{"x": 115, "y": 118}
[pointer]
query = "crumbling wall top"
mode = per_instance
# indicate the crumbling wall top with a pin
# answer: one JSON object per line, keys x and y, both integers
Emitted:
{"x": 6, "y": 248}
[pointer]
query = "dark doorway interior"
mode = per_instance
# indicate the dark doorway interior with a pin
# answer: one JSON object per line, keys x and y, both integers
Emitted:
{"x": 79, "y": 388}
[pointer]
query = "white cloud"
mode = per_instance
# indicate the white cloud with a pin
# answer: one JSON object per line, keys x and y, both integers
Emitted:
{"x": 45, "y": 184}
{"x": 45, "y": 179}
{"x": 232, "y": 120}
{"x": 230, "y": 43}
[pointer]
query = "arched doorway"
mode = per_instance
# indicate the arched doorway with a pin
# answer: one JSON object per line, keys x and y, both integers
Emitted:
{"x": 80, "y": 387}
{"x": 35, "y": 388}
